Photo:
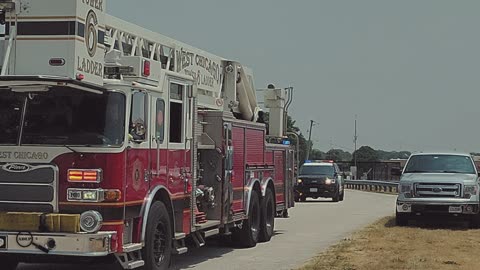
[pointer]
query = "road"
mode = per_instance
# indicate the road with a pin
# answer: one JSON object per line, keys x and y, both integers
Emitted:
{"x": 312, "y": 227}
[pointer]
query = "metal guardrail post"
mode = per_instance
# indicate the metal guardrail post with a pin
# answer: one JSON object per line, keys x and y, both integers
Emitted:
{"x": 372, "y": 185}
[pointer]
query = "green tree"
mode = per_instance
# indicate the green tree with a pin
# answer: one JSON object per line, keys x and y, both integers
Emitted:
{"x": 338, "y": 155}
{"x": 386, "y": 155}
{"x": 366, "y": 153}
{"x": 317, "y": 155}
{"x": 291, "y": 127}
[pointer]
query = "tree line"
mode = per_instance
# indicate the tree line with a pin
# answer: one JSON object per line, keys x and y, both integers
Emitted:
{"x": 363, "y": 154}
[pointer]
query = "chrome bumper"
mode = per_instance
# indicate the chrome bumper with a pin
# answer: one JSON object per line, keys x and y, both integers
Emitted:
{"x": 80, "y": 244}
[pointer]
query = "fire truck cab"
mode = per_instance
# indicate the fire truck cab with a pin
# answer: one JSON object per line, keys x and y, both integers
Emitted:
{"x": 118, "y": 142}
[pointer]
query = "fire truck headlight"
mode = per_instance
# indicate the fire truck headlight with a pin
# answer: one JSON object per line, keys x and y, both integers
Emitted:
{"x": 90, "y": 195}
{"x": 93, "y": 195}
{"x": 91, "y": 221}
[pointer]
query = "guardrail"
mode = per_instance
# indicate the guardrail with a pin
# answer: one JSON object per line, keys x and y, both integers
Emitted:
{"x": 373, "y": 185}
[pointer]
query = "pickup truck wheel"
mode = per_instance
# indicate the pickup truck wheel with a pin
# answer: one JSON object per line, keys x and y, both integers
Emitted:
{"x": 248, "y": 235}
{"x": 267, "y": 221}
{"x": 475, "y": 221}
{"x": 158, "y": 241}
{"x": 401, "y": 219}
{"x": 342, "y": 196}
{"x": 8, "y": 262}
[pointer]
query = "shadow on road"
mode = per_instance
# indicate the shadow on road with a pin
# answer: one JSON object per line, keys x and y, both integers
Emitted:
{"x": 434, "y": 223}
{"x": 214, "y": 248}
{"x": 315, "y": 201}
{"x": 66, "y": 267}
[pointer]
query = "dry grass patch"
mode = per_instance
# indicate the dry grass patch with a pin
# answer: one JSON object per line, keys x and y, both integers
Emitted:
{"x": 384, "y": 246}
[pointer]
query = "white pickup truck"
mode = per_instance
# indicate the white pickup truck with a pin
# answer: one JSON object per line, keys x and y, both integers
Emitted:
{"x": 438, "y": 184}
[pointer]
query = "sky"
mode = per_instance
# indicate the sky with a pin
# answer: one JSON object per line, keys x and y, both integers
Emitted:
{"x": 408, "y": 69}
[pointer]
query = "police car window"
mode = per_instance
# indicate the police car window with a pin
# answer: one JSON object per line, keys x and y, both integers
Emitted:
{"x": 317, "y": 170}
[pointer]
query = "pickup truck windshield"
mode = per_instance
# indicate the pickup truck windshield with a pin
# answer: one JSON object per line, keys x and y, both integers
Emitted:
{"x": 440, "y": 164}
{"x": 317, "y": 170}
{"x": 62, "y": 116}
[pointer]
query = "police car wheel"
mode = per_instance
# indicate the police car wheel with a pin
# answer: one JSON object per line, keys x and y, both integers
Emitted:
{"x": 336, "y": 197}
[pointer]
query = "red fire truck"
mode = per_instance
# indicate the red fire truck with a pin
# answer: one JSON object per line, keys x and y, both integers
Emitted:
{"x": 118, "y": 142}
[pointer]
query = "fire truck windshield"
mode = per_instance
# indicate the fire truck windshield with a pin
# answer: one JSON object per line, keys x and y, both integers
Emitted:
{"x": 62, "y": 116}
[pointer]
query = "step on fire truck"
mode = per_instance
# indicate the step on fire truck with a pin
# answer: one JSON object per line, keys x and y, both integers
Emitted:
{"x": 117, "y": 142}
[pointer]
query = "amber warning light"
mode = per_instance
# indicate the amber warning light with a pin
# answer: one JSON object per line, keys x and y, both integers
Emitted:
{"x": 85, "y": 176}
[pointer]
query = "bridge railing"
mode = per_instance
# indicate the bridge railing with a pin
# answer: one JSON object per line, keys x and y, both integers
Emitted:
{"x": 373, "y": 185}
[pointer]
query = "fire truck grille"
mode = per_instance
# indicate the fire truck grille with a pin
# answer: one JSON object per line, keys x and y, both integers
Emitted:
{"x": 28, "y": 189}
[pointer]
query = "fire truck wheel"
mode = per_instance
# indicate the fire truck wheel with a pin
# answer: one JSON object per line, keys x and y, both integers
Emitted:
{"x": 8, "y": 262}
{"x": 158, "y": 244}
{"x": 267, "y": 222}
{"x": 247, "y": 236}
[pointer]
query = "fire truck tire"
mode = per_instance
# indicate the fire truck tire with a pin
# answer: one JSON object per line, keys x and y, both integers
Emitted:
{"x": 8, "y": 263}
{"x": 158, "y": 241}
{"x": 267, "y": 221}
{"x": 248, "y": 235}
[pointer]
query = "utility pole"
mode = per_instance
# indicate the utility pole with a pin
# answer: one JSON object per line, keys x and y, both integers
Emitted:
{"x": 355, "y": 138}
{"x": 309, "y": 146}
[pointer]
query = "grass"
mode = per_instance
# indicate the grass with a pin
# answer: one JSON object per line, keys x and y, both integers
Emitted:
{"x": 384, "y": 246}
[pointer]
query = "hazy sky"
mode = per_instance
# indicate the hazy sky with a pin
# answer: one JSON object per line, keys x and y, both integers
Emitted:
{"x": 410, "y": 69}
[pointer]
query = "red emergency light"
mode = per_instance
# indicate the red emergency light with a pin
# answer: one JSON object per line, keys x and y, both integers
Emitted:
{"x": 146, "y": 68}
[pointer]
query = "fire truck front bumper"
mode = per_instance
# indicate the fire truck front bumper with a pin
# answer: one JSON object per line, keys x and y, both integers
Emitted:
{"x": 61, "y": 244}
